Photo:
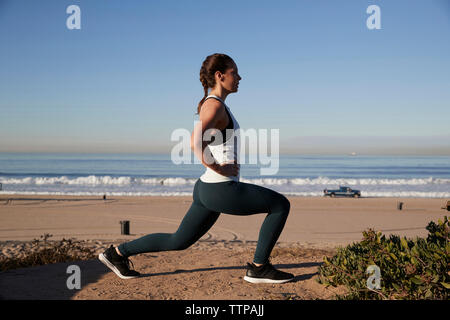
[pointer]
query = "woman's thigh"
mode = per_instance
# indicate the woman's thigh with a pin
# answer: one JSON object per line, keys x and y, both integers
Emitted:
{"x": 238, "y": 197}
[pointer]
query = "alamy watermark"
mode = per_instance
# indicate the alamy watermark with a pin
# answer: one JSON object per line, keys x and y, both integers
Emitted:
{"x": 74, "y": 280}
{"x": 74, "y": 20}
{"x": 374, "y": 280}
{"x": 374, "y": 20}
{"x": 251, "y": 146}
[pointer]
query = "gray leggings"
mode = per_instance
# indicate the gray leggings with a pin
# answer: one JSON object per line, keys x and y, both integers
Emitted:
{"x": 210, "y": 199}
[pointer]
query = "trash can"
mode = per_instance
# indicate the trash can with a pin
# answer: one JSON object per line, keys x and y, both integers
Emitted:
{"x": 399, "y": 205}
{"x": 125, "y": 227}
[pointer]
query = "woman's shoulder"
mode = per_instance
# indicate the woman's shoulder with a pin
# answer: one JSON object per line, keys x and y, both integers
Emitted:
{"x": 213, "y": 108}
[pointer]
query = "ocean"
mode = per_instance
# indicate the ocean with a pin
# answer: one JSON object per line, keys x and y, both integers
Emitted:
{"x": 157, "y": 175}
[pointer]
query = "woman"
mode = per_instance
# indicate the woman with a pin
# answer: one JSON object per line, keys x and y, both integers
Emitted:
{"x": 218, "y": 190}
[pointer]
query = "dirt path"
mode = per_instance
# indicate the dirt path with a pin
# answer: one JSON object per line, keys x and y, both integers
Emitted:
{"x": 208, "y": 270}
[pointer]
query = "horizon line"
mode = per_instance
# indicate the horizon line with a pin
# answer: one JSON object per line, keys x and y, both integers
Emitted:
{"x": 351, "y": 154}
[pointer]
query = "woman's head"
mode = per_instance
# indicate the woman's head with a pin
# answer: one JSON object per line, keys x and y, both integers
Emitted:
{"x": 218, "y": 69}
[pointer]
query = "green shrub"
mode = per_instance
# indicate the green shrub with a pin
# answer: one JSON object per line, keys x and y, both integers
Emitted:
{"x": 410, "y": 269}
{"x": 43, "y": 251}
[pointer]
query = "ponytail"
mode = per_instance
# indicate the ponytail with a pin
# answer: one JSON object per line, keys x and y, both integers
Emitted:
{"x": 205, "y": 88}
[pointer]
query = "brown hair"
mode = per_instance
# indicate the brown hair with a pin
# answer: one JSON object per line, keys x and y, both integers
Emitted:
{"x": 215, "y": 62}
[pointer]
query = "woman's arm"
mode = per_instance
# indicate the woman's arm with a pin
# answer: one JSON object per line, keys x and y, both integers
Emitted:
{"x": 210, "y": 115}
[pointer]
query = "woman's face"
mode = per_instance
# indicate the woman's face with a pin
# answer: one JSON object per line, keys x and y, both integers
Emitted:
{"x": 230, "y": 79}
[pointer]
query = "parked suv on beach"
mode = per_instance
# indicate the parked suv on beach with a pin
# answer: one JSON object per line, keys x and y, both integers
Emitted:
{"x": 342, "y": 192}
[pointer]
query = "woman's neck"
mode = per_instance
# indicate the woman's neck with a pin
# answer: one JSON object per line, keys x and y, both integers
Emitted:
{"x": 219, "y": 92}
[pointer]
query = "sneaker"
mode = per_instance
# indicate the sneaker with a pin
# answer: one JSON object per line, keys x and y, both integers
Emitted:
{"x": 118, "y": 264}
{"x": 266, "y": 274}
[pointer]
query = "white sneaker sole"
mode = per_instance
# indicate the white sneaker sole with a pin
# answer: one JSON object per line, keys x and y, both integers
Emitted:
{"x": 106, "y": 262}
{"x": 264, "y": 280}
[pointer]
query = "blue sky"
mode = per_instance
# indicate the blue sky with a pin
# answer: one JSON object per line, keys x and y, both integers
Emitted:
{"x": 312, "y": 69}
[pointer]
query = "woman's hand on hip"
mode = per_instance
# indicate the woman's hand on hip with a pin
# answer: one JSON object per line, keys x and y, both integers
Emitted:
{"x": 227, "y": 169}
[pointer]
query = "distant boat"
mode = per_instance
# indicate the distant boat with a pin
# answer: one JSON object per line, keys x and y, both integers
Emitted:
{"x": 353, "y": 154}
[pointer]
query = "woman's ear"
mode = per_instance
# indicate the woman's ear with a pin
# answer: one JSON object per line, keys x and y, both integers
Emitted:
{"x": 219, "y": 75}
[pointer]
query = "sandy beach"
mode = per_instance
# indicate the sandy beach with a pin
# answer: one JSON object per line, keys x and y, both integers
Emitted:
{"x": 214, "y": 267}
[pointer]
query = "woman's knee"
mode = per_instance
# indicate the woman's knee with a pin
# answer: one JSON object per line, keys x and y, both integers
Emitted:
{"x": 282, "y": 204}
{"x": 178, "y": 244}
{"x": 286, "y": 204}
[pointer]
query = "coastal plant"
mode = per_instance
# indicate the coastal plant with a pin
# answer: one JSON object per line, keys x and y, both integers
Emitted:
{"x": 43, "y": 251}
{"x": 410, "y": 268}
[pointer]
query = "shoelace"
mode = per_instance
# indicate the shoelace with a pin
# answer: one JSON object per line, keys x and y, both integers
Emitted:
{"x": 270, "y": 267}
{"x": 128, "y": 262}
